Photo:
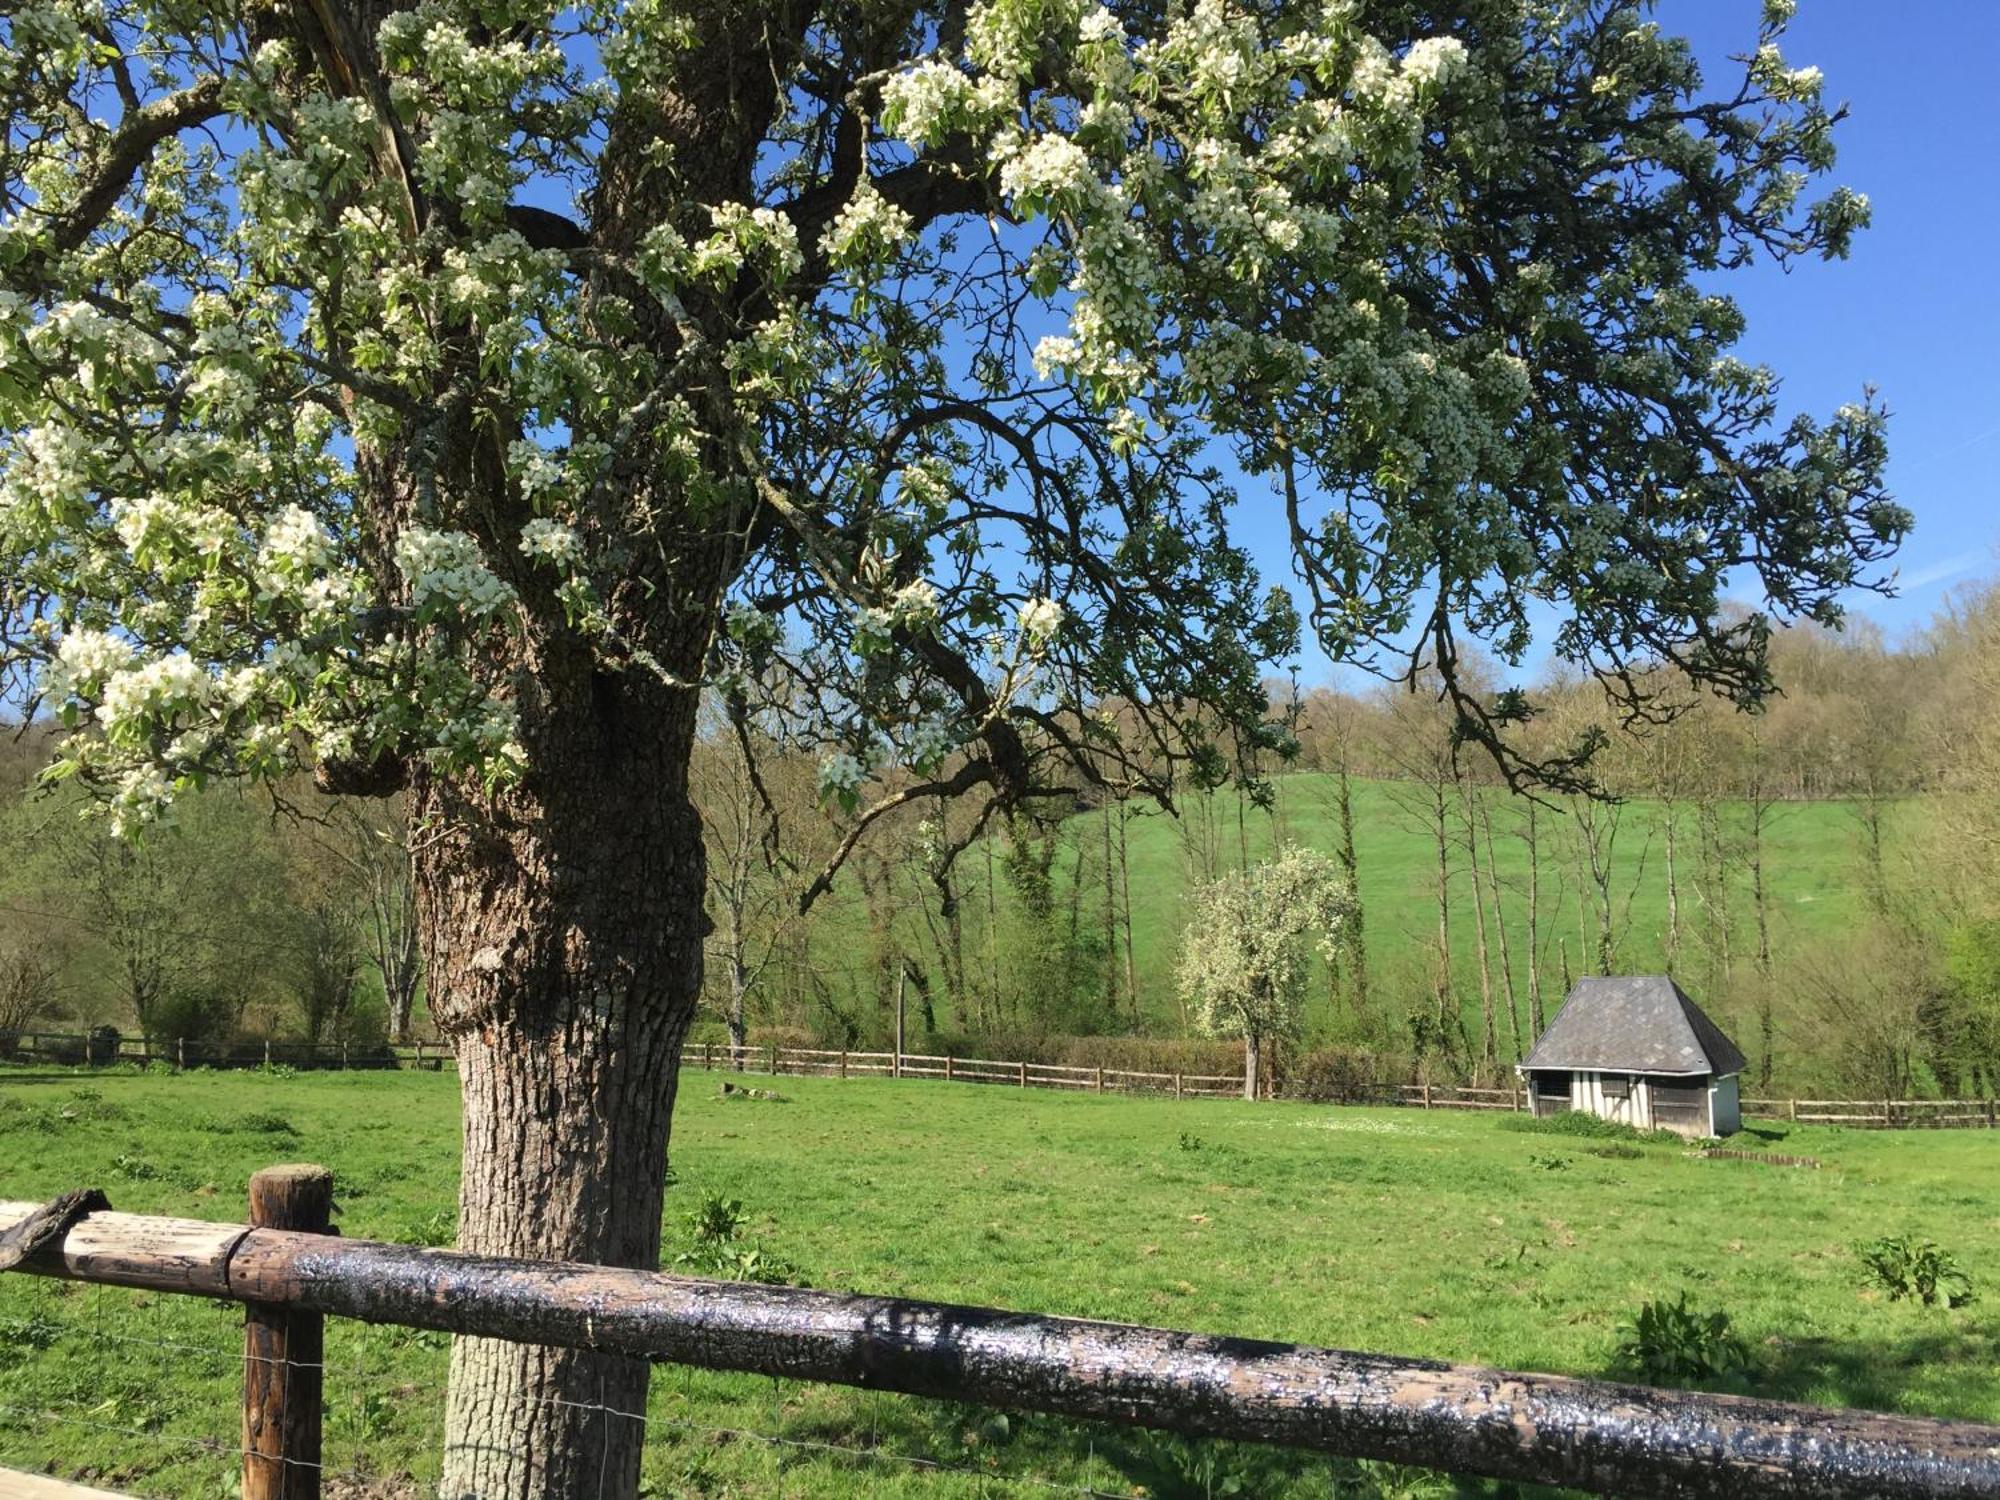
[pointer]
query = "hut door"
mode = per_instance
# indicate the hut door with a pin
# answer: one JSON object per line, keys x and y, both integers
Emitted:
{"x": 1681, "y": 1105}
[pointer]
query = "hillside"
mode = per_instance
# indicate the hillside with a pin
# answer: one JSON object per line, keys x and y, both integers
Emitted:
{"x": 1814, "y": 868}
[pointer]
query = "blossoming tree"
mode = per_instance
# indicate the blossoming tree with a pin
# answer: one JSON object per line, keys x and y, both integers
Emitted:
{"x": 439, "y": 393}
{"x": 1246, "y": 948}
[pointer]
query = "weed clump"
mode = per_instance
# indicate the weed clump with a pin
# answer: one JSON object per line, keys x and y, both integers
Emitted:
{"x": 1670, "y": 1342}
{"x": 718, "y": 1249}
{"x": 1917, "y": 1270}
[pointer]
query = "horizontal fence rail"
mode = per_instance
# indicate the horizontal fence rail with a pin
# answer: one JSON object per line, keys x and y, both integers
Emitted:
{"x": 1591, "y": 1435}
{"x": 77, "y": 1049}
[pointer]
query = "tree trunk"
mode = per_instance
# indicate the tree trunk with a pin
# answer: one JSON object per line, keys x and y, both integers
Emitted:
{"x": 562, "y": 926}
{"x": 1353, "y": 942}
{"x": 1669, "y": 819}
{"x": 1534, "y": 926}
{"x": 1125, "y": 915}
{"x": 1488, "y": 1038}
{"x": 1500, "y": 927}
{"x": 1252, "y": 1059}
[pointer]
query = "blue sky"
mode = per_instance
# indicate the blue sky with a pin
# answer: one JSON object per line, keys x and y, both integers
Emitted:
{"x": 1916, "y": 309}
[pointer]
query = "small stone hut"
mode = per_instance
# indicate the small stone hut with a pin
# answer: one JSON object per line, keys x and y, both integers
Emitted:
{"x": 1636, "y": 1049}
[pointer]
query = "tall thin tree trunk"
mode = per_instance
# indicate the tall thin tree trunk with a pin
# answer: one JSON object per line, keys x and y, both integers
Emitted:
{"x": 1766, "y": 1021}
{"x": 1673, "y": 955}
{"x": 1500, "y": 927}
{"x": 1489, "y": 1050}
{"x": 1439, "y": 838}
{"x": 1110, "y": 914}
{"x": 992, "y": 937}
{"x": 1352, "y": 939}
{"x": 1125, "y": 904}
{"x": 1534, "y": 924}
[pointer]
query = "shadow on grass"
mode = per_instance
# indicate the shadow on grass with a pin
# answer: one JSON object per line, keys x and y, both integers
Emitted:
{"x": 1876, "y": 1375}
{"x": 1102, "y": 1458}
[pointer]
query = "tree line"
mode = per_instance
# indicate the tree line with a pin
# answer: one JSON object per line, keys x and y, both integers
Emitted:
{"x": 289, "y": 914}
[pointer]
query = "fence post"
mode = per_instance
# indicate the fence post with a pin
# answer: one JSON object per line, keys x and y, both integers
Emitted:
{"x": 180, "y": 1053}
{"x": 1992, "y": 1114}
{"x": 267, "y": 1052}
{"x": 1792, "y": 1108}
{"x": 1427, "y": 1093}
{"x": 948, "y": 1068}
{"x": 283, "y": 1350}
{"x": 1177, "y": 1082}
{"x": 1024, "y": 1075}
{"x": 843, "y": 1062}
{"x": 1100, "y": 1080}
{"x": 774, "y": 1059}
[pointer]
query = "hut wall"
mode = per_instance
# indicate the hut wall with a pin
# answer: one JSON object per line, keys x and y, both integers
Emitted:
{"x": 1725, "y": 1107}
{"x": 1635, "y": 1108}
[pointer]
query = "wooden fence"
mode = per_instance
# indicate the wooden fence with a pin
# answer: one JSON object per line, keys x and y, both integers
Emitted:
{"x": 78, "y": 1049}
{"x": 73, "y": 1049}
{"x": 831, "y": 1063}
{"x": 1596, "y": 1436}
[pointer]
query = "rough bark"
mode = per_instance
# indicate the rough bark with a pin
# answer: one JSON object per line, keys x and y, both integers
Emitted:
{"x": 562, "y": 926}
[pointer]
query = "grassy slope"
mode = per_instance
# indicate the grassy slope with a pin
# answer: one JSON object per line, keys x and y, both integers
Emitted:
{"x": 1814, "y": 871}
{"x": 1426, "y": 1234}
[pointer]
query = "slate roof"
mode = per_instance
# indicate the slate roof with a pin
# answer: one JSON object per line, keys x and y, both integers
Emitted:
{"x": 1640, "y": 1023}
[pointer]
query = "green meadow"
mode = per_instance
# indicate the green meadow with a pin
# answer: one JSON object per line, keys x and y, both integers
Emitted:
{"x": 1401, "y": 1231}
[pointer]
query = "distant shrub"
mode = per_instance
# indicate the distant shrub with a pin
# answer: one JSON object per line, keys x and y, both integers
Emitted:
{"x": 1917, "y": 1270}
{"x": 1672, "y": 1342}
{"x": 1577, "y": 1123}
{"x": 1329, "y": 1075}
{"x": 1548, "y": 1163}
{"x": 1615, "y": 1151}
{"x": 1190, "y": 1141}
{"x": 265, "y": 1124}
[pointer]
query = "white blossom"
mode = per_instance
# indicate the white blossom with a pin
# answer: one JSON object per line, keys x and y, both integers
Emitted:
{"x": 554, "y": 541}
{"x": 446, "y": 567}
{"x": 1040, "y": 620}
{"x": 867, "y": 228}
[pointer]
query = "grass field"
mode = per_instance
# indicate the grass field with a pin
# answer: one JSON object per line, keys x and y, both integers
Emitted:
{"x": 1813, "y": 863}
{"x": 1394, "y": 1230}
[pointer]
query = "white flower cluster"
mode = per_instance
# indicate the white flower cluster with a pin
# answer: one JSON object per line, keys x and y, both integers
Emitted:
{"x": 446, "y": 568}
{"x": 157, "y": 689}
{"x": 84, "y": 658}
{"x": 841, "y": 775}
{"x": 295, "y": 547}
{"x": 1433, "y": 61}
{"x": 926, "y": 103}
{"x": 552, "y": 541}
{"x": 927, "y": 743}
{"x": 866, "y": 231}
{"x": 1040, "y": 620}
{"x": 1047, "y": 171}
{"x": 743, "y": 236}
{"x": 915, "y": 604}
{"x": 537, "y": 470}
